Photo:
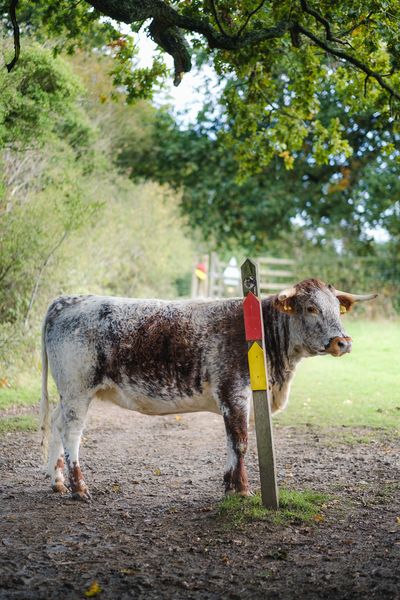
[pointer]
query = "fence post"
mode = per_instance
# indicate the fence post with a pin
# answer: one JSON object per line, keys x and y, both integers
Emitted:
{"x": 254, "y": 328}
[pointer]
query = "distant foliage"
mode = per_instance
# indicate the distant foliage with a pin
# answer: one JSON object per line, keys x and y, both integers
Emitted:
{"x": 344, "y": 200}
{"x": 379, "y": 273}
{"x": 136, "y": 247}
{"x": 38, "y": 100}
{"x": 43, "y": 133}
{"x": 69, "y": 221}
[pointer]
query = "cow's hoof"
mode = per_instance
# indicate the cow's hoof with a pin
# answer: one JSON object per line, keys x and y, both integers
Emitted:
{"x": 59, "y": 488}
{"x": 83, "y": 495}
{"x": 245, "y": 493}
{"x": 241, "y": 493}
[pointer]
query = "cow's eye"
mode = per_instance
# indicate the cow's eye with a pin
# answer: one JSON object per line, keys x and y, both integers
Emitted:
{"x": 312, "y": 310}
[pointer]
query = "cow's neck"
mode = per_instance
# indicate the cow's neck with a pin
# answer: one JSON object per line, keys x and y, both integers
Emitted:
{"x": 282, "y": 353}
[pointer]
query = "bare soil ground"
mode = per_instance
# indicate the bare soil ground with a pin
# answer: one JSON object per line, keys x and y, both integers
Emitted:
{"x": 153, "y": 529}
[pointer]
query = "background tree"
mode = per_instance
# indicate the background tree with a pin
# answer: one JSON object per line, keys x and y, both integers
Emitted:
{"x": 341, "y": 202}
{"x": 272, "y": 59}
{"x": 69, "y": 221}
{"x": 44, "y": 136}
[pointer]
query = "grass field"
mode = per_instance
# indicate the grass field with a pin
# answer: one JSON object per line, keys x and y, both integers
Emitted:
{"x": 359, "y": 389}
{"x": 21, "y": 395}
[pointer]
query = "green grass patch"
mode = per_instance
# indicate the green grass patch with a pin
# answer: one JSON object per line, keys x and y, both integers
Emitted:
{"x": 359, "y": 389}
{"x": 294, "y": 507}
{"x": 18, "y": 423}
{"x": 19, "y": 396}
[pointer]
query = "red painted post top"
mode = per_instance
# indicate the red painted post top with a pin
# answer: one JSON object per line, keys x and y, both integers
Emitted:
{"x": 252, "y": 317}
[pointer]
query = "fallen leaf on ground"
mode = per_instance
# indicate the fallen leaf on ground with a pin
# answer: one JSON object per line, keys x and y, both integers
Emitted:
{"x": 319, "y": 518}
{"x": 93, "y": 590}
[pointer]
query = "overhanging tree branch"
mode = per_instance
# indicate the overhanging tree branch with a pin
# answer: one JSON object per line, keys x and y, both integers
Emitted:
{"x": 166, "y": 18}
{"x": 17, "y": 47}
{"x": 352, "y": 60}
{"x": 131, "y": 10}
{"x": 321, "y": 19}
{"x": 172, "y": 40}
{"x": 218, "y": 22}
{"x": 251, "y": 14}
{"x": 359, "y": 24}
{"x": 168, "y": 27}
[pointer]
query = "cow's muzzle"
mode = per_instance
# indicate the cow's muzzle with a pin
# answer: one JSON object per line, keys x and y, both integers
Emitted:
{"x": 339, "y": 345}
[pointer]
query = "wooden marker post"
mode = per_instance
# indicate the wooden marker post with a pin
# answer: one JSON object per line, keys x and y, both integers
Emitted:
{"x": 254, "y": 329}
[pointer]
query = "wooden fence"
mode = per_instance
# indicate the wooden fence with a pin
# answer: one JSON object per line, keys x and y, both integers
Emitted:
{"x": 223, "y": 278}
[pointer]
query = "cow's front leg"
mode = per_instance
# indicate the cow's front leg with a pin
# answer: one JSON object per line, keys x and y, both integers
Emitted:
{"x": 73, "y": 421}
{"x": 235, "y": 410}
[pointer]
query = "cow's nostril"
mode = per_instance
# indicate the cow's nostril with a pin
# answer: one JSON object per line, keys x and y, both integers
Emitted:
{"x": 339, "y": 345}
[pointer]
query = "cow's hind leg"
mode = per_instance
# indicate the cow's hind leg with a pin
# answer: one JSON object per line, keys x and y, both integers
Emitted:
{"x": 73, "y": 413}
{"x": 56, "y": 454}
{"x": 235, "y": 410}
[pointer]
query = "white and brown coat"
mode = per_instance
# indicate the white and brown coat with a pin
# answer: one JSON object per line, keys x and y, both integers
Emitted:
{"x": 160, "y": 357}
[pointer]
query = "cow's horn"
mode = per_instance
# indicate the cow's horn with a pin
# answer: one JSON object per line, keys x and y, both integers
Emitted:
{"x": 287, "y": 293}
{"x": 356, "y": 297}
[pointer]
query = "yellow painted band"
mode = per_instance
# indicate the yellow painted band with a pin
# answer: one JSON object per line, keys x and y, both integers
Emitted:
{"x": 258, "y": 376}
{"x": 200, "y": 274}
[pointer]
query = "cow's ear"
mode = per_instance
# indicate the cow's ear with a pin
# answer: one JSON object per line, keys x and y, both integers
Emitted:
{"x": 285, "y": 306}
{"x": 285, "y": 300}
{"x": 346, "y": 304}
{"x": 347, "y": 300}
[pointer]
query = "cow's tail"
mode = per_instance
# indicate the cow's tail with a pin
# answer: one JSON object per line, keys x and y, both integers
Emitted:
{"x": 44, "y": 416}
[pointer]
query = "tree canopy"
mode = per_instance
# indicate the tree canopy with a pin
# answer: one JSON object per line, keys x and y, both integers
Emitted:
{"x": 344, "y": 200}
{"x": 272, "y": 59}
{"x": 301, "y": 130}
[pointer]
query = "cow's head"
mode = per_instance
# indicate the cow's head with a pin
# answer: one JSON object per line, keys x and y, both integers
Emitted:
{"x": 315, "y": 310}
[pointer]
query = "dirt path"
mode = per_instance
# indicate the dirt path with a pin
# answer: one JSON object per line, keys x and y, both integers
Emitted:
{"x": 152, "y": 530}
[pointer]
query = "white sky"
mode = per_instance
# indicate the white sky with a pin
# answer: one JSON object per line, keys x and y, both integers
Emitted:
{"x": 188, "y": 96}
